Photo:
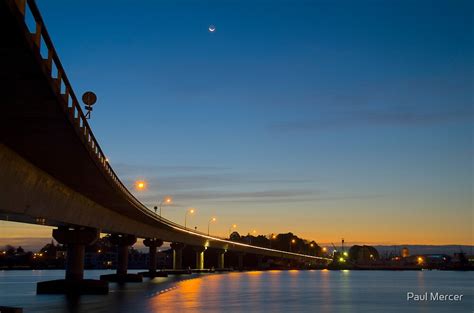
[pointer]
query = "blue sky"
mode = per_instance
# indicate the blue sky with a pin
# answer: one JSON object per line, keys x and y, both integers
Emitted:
{"x": 326, "y": 118}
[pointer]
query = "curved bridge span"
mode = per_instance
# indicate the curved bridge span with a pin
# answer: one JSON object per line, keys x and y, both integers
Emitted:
{"x": 52, "y": 169}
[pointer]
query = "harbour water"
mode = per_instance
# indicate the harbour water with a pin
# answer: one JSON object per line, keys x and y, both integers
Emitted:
{"x": 268, "y": 291}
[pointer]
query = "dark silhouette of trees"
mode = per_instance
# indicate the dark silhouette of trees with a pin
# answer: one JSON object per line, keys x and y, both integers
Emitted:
{"x": 285, "y": 242}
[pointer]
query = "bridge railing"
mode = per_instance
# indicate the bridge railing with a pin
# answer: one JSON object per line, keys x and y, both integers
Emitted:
{"x": 42, "y": 43}
{"x": 45, "y": 48}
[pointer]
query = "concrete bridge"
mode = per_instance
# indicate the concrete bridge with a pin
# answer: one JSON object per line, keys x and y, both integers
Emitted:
{"x": 53, "y": 171}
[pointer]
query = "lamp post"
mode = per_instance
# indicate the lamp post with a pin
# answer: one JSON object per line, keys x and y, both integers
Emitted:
{"x": 272, "y": 237}
{"x": 250, "y": 236}
{"x": 188, "y": 211}
{"x": 209, "y": 224}
{"x": 233, "y": 226}
{"x": 292, "y": 242}
{"x": 166, "y": 200}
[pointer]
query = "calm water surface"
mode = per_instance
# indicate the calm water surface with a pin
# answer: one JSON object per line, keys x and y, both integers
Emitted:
{"x": 273, "y": 291}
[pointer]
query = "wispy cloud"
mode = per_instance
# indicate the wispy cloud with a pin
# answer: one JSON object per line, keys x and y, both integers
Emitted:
{"x": 126, "y": 169}
{"x": 373, "y": 117}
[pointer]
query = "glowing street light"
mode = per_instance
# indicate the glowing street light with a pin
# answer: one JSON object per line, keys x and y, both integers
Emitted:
{"x": 293, "y": 241}
{"x": 140, "y": 185}
{"x": 233, "y": 226}
{"x": 272, "y": 237}
{"x": 188, "y": 211}
{"x": 166, "y": 200}
{"x": 209, "y": 224}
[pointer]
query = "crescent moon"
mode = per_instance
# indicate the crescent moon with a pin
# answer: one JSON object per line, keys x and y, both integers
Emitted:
{"x": 212, "y": 28}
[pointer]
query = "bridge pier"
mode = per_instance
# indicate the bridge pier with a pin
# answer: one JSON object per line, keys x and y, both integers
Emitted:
{"x": 259, "y": 261}
{"x": 200, "y": 257}
{"x": 76, "y": 240}
{"x": 123, "y": 243}
{"x": 220, "y": 258}
{"x": 177, "y": 255}
{"x": 240, "y": 257}
{"x": 153, "y": 244}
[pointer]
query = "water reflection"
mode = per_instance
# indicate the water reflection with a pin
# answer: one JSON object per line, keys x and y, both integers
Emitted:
{"x": 272, "y": 291}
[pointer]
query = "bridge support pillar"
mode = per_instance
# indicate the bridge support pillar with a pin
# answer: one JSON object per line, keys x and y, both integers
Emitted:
{"x": 220, "y": 258}
{"x": 76, "y": 240}
{"x": 200, "y": 257}
{"x": 123, "y": 243}
{"x": 177, "y": 255}
{"x": 240, "y": 256}
{"x": 153, "y": 244}
{"x": 259, "y": 261}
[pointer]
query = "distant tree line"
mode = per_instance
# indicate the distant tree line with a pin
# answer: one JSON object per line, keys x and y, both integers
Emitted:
{"x": 285, "y": 242}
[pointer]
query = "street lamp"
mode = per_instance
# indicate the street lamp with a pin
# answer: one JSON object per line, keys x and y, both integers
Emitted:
{"x": 250, "y": 236}
{"x": 292, "y": 242}
{"x": 188, "y": 211}
{"x": 209, "y": 224}
{"x": 234, "y": 226}
{"x": 140, "y": 185}
{"x": 166, "y": 200}
{"x": 272, "y": 237}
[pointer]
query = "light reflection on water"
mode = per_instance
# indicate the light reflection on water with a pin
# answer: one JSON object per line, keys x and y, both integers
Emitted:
{"x": 271, "y": 291}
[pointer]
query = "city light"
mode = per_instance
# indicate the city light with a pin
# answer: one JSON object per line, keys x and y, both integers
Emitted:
{"x": 345, "y": 253}
{"x": 325, "y": 249}
{"x": 293, "y": 240}
{"x": 420, "y": 260}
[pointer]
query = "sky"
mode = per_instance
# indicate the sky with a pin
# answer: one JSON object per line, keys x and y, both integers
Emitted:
{"x": 329, "y": 119}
